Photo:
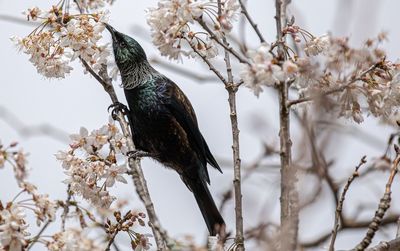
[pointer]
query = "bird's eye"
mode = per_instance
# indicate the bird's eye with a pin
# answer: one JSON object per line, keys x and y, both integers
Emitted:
{"x": 122, "y": 44}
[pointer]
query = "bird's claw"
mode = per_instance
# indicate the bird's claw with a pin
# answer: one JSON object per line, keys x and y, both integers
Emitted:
{"x": 117, "y": 107}
{"x": 139, "y": 154}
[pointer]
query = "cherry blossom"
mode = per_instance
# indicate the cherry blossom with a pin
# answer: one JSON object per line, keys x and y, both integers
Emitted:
{"x": 172, "y": 24}
{"x": 13, "y": 227}
{"x": 262, "y": 71}
{"x": 73, "y": 239}
{"x": 62, "y": 37}
{"x": 90, "y": 170}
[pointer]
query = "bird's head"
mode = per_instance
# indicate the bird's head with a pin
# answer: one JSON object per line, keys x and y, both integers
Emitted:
{"x": 127, "y": 51}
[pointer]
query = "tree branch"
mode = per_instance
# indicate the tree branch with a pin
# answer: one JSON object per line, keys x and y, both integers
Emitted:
{"x": 232, "y": 88}
{"x": 289, "y": 195}
{"x": 339, "y": 207}
{"x": 393, "y": 245}
{"x": 28, "y": 131}
{"x": 382, "y": 208}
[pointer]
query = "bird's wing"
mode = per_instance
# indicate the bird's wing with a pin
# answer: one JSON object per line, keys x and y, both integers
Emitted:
{"x": 181, "y": 108}
{"x": 210, "y": 158}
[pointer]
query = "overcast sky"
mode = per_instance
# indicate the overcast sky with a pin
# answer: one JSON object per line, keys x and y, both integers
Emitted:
{"x": 79, "y": 101}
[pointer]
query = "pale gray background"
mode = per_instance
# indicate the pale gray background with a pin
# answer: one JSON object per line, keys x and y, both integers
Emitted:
{"x": 79, "y": 100}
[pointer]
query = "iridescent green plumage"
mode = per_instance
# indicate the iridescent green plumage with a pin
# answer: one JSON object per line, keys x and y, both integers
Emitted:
{"x": 164, "y": 124}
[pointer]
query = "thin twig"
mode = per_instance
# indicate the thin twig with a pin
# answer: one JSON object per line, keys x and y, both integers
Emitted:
{"x": 115, "y": 246}
{"x": 66, "y": 205}
{"x": 398, "y": 228}
{"x": 254, "y": 25}
{"x": 348, "y": 224}
{"x": 226, "y": 46}
{"x": 111, "y": 240}
{"x": 339, "y": 207}
{"x": 382, "y": 208}
{"x": 18, "y": 20}
{"x": 37, "y": 236}
{"x": 210, "y": 65}
{"x": 232, "y": 89}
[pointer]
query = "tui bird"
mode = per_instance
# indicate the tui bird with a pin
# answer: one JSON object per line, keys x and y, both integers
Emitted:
{"x": 164, "y": 124}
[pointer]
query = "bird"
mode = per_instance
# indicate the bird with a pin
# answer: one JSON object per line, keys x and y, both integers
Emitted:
{"x": 164, "y": 124}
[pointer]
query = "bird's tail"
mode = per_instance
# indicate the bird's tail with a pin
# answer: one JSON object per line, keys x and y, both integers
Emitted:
{"x": 212, "y": 217}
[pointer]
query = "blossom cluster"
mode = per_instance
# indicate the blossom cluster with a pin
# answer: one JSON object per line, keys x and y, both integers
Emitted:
{"x": 360, "y": 80}
{"x": 16, "y": 158}
{"x": 62, "y": 37}
{"x": 264, "y": 69}
{"x": 92, "y": 4}
{"x": 13, "y": 225}
{"x": 13, "y": 228}
{"x": 355, "y": 81}
{"x": 15, "y": 232}
{"x": 73, "y": 239}
{"x": 172, "y": 22}
{"x": 96, "y": 169}
{"x": 124, "y": 224}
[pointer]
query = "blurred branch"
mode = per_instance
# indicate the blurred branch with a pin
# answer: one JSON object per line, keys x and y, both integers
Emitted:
{"x": 17, "y": 20}
{"x": 320, "y": 168}
{"x": 28, "y": 130}
{"x": 382, "y": 208}
{"x": 348, "y": 224}
{"x": 182, "y": 71}
{"x": 354, "y": 131}
{"x": 37, "y": 236}
{"x": 339, "y": 207}
{"x": 393, "y": 245}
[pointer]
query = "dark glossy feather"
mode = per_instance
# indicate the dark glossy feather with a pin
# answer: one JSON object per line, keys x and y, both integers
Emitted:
{"x": 164, "y": 124}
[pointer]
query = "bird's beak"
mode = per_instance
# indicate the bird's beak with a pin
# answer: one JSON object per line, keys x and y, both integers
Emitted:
{"x": 111, "y": 30}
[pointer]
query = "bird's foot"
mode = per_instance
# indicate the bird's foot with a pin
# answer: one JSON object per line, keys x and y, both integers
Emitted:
{"x": 139, "y": 154}
{"x": 117, "y": 107}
